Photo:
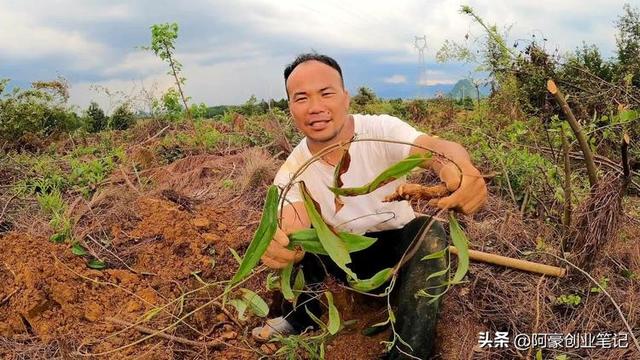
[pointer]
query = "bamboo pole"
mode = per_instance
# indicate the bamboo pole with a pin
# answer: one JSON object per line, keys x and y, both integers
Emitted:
{"x": 577, "y": 130}
{"x": 513, "y": 263}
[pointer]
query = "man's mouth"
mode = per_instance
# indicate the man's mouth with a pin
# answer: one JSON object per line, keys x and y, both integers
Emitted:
{"x": 319, "y": 124}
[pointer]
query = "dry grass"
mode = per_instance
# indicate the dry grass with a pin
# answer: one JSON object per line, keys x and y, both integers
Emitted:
{"x": 32, "y": 348}
{"x": 597, "y": 221}
{"x": 518, "y": 302}
{"x": 257, "y": 173}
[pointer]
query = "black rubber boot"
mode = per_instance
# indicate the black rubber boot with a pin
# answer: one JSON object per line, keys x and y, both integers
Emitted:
{"x": 416, "y": 317}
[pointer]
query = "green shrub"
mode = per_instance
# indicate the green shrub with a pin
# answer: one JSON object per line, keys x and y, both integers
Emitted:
{"x": 39, "y": 111}
{"x": 122, "y": 118}
{"x": 199, "y": 111}
{"x": 172, "y": 107}
{"x": 96, "y": 120}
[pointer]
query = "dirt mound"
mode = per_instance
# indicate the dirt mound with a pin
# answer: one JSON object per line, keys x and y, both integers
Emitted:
{"x": 52, "y": 302}
{"x": 51, "y": 294}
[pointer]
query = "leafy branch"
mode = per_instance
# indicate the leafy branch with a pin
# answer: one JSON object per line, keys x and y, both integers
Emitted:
{"x": 163, "y": 38}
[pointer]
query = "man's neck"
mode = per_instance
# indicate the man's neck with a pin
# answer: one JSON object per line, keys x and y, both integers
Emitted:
{"x": 345, "y": 134}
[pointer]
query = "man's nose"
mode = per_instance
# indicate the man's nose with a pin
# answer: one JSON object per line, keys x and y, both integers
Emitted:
{"x": 315, "y": 105}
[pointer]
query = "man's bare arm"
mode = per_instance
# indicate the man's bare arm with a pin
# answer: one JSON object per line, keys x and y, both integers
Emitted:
{"x": 294, "y": 217}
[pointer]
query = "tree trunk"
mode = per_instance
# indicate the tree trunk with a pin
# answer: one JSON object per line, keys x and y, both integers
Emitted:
{"x": 175, "y": 75}
{"x": 577, "y": 130}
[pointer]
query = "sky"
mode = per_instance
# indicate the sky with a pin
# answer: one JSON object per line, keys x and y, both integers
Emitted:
{"x": 231, "y": 50}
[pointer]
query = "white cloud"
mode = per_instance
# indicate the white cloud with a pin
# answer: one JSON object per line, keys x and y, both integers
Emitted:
{"x": 395, "y": 79}
{"x": 432, "y": 77}
{"x": 23, "y": 38}
{"x": 431, "y": 82}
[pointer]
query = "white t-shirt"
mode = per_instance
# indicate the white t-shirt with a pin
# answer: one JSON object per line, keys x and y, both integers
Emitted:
{"x": 363, "y": 213}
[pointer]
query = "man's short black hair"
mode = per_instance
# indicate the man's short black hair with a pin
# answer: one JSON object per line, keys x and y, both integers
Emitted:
{"x": 312, "y": 57}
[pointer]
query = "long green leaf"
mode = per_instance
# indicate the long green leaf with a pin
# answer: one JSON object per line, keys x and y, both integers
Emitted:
{"x": 298, "y": 282}
{"x": 436, "y": 255}
{"x": 335, "y": 247}
{"x": 308, "y": 240}
{"x": 315, "y": 318}
{"x": 374, "y": 282}
{"x": 396, "y": 171}
{"x": 460, "y": 241}
{"x": 285, "y": 282}
{"x": 438, "y": 274}
{"x": 333, "y": 326}
{"x": 256, "y": 303}
{"x": 304, "y": 235}
{"x": 261, "y": 238}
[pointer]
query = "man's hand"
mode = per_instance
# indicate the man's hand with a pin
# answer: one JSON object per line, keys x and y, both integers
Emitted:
{"x": 277, "y": 255}
{"x": 469, "y": 194}
{"x": 450, "y": 175}
{"x": 458, "y": 173}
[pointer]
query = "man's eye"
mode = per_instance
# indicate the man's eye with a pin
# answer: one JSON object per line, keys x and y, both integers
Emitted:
{"x": 328, "y": 94}
{"x": 301, "y": 99}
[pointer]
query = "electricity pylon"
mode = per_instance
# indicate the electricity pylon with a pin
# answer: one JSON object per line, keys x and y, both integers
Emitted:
{"x": 420, "y": 43}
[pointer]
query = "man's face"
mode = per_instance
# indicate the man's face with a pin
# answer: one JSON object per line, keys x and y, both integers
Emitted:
{"x": 317, "y": 100}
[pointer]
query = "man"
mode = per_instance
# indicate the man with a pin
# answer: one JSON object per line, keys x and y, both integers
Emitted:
{"x": 319, "y": 105}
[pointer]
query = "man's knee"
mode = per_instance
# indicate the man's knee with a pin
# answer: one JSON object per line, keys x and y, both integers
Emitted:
{"x": 436, "y": 239}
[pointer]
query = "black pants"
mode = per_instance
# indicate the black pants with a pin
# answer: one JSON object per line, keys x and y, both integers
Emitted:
{"x": 415, "y": 317}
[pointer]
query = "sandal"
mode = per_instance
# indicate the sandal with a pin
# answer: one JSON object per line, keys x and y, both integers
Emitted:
{"x": 273, "y": 327}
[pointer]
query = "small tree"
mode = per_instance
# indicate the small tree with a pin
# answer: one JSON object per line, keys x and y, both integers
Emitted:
{"x": 97, "y": 121}
{"x": 628, "y": 43}
{"x": 364, "y": 96}
{"x": 163, "y": 38}
{"x": 122, "y": 118}
{"x": 250, "y": 107}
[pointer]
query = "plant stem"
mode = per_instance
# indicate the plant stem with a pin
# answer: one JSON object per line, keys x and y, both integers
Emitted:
{"x": 577, "y": 130}
{"x": 175, "y": 75}
{"x": 566, "y": 219}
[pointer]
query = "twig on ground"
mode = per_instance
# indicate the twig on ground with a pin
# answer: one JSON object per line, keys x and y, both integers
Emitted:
{"x": 216, "y": 344}
{"x": 127, "y": 181}
{"x": 154, "y": 136}
{"x": 535, "y": 326}
{"x": 228, "y": 313}
{"x": 6, "y": 205}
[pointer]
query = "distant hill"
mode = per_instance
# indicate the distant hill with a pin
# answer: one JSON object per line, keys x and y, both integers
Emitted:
{"x": 463, "y": 88}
